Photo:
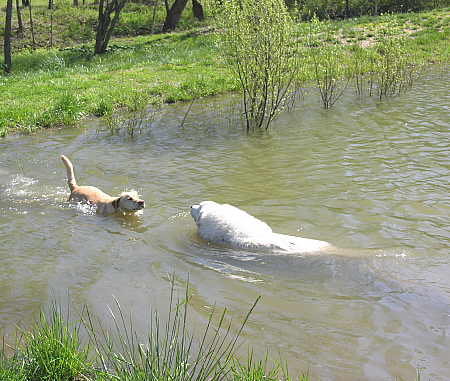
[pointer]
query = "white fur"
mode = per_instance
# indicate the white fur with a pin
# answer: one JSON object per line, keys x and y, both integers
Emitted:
{"x": 227, "y": 225}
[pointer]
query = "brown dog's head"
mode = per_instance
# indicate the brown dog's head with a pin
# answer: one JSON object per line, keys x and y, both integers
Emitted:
{"x": 130, "y": 202}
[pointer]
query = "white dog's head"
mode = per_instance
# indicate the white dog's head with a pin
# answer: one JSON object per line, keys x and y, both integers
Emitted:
{"x": 198, "y": 209}
{"x": 195, "y": 212}
{"x": 130, "y": 202}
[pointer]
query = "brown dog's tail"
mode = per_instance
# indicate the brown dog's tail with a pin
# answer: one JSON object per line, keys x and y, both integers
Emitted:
{"x": 70, "y": 175}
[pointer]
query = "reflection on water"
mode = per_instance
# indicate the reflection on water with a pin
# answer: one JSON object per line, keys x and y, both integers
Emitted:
{"x": 371, "y": 178}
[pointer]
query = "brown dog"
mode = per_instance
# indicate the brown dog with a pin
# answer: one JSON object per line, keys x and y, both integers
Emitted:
{"x": 127, "y": 202}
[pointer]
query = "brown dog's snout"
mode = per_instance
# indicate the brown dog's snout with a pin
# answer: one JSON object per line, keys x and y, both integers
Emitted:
{"x": 141, "y": 203}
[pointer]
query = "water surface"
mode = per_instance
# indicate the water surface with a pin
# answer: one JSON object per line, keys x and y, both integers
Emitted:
{"x": 372, "y": 178}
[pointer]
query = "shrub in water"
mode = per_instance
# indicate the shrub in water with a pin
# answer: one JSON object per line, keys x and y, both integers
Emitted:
{"x": 329, "y": 63}
{"x": 395, "y": 72}
{"x": 258, "y": 44}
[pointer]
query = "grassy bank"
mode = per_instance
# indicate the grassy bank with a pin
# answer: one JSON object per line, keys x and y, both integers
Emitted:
{"x": 52, "y": 350}
{"x": 59, "y": 86}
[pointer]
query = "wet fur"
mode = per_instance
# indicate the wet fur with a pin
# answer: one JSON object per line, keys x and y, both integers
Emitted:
{"x": 127, "y": 202}
{"x": 227, "y": 225}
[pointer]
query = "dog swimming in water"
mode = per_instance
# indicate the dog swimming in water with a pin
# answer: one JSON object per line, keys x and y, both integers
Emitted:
{"x": 126, "y": 202}
{"x": 227, "y": 225}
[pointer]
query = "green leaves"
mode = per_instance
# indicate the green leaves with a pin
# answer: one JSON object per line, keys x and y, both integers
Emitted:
{"x": 258, "y": 45}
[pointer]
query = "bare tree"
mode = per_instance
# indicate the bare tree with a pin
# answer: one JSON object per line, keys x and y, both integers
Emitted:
{"x": 106, "y": 25}
{"x": 19, "y": 19}
{"x": 33, "y": 40}
{"x": 173, "y": 15}
{"x": 7, "y": 36}
{"x": 51, "y": 28}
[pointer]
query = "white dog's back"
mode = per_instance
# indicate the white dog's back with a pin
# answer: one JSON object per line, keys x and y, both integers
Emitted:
{"x": 227, "y": 225}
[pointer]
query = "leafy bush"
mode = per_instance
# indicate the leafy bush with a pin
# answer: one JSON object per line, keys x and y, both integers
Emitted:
{"x": 258, "y": 44}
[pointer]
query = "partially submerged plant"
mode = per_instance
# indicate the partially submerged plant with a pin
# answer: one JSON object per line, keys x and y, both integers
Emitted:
{"x": 136, "y": 116}
{"x": 258, "y": 44}
{"x": 168, "y": 352}
{"x": 395, "y": 72}
{"x": 386, "y": 70}
{"x": 331, "y": 72}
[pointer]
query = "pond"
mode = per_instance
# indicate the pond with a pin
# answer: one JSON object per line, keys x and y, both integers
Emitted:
{"x": 370, "y": 177}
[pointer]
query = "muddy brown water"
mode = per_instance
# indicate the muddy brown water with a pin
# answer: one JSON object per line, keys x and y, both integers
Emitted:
{"x": 372, "y": 178}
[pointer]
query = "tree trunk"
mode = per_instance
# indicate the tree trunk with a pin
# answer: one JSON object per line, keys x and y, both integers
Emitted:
{"x": 25, "y": 3}
{"x": 31, "y": 25}
{"x": 75, "y": 3}
{"x": 50, "y": 4}
{"x": 347, "y": 10}
{"x": 105, "y": 25}
{"x": 174, "y": 14}
{"x": 7, "y": 36}
{"x": 51, "y": 29}
{"x": 155, "y": 6}
{"x": 19, "y": 19}
{"x": 197, "y": 10}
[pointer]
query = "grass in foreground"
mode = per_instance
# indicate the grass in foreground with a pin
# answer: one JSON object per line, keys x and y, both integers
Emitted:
{"x": 51, "y": 87}
{"x": 53, "y": 351}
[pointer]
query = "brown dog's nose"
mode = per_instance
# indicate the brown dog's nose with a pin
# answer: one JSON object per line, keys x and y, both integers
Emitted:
{"x": 142, "y": 203}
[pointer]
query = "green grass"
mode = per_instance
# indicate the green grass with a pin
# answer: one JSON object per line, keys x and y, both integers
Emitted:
{"x": 59, "y": 86}
{"x": 11, "y": 368}
{"x": 73, "y": 25}
{"x": 51, "y": 350}
{"x": 52, "y": 87}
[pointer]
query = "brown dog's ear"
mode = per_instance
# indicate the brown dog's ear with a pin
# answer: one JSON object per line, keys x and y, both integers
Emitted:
{"x": 115, "y": 203}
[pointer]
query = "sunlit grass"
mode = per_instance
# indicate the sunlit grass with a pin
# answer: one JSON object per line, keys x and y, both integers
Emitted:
{"x": 177, "y": 67}
{"x": 172, "y": 68}
{"x": 51, "y": 350}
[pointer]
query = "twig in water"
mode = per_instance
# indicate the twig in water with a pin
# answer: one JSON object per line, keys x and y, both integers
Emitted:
{"x": 187, "y": 112}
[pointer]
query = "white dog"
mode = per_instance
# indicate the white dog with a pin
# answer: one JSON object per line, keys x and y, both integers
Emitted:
{"x": 227, "y": 225}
